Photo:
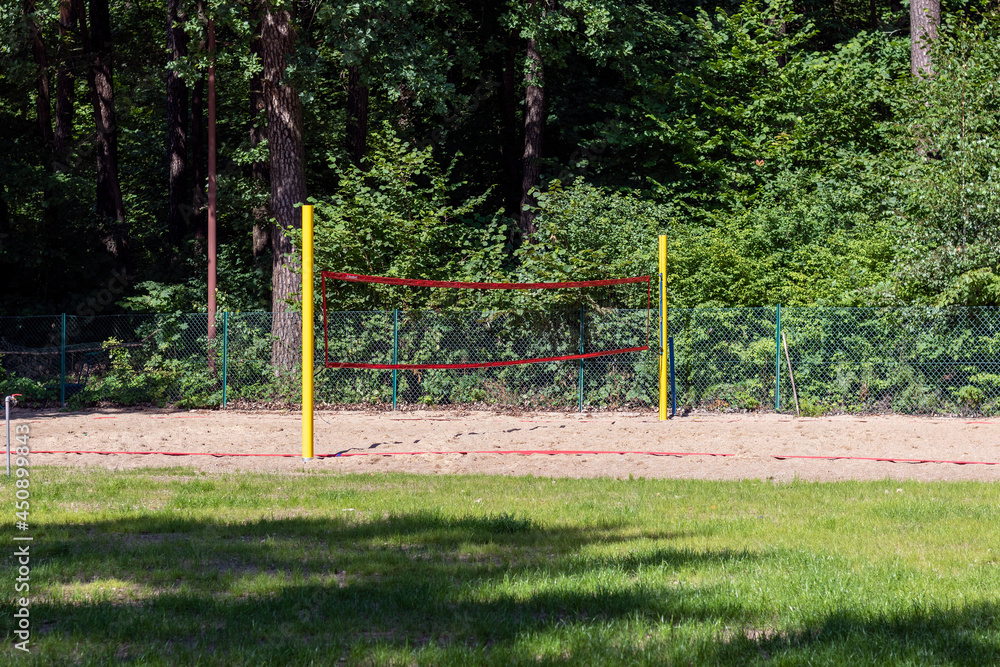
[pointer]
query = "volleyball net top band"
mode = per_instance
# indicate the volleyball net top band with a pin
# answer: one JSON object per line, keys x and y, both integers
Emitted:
{"x": 528, "y": 358}
{"x": 413, "y": 282}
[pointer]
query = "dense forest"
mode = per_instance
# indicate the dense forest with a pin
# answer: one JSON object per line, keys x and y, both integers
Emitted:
{"x": 803, "y": 153}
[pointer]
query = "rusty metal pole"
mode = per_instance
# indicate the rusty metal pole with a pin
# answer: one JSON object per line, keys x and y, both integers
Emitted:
{"x": 212, "y": 193}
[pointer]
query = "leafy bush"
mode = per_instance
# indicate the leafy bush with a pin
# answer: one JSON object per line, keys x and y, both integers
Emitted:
{"x": 32, "y": 391}
{"x": 398, "y": 218}
{"x": 809, "y": 407}
{"x": 158, "y": 380}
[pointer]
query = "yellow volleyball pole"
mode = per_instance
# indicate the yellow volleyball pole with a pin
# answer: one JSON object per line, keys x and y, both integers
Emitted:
{"x": 308, "y": 345}
{"x": 664, "y": 364}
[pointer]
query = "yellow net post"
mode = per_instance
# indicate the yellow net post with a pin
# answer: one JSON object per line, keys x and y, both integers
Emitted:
{"x": 664, "y": 363}
{"x": 308, "y": 345}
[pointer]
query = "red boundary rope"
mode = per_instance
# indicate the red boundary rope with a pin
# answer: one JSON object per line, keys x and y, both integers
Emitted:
{"x": 216, "y": 454}
{"x": 529, "y": 452}
{"x": 360, "y": 278}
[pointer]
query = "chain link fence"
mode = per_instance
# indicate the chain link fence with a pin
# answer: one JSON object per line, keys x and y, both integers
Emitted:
{"x": 842, "y": 360}
{"x": 839, "y": 360}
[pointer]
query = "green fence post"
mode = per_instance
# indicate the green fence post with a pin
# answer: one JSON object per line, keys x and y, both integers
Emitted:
{"x": 395, "y": 354}
{"x": 62, "y": 363}
{"x": 777, "y": 361}
{"x": 581, "y": 352}
{"x": 225, "y": 354}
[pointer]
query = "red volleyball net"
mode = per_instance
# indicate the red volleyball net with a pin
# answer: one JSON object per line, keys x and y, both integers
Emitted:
{"x": 385, "y": 323}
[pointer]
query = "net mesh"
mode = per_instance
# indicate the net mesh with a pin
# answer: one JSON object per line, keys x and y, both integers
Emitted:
{"x": 441, "y": 325}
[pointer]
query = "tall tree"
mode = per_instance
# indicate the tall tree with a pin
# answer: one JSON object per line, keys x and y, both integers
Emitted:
{"x": 257, "y": 129}
{"x": 779, "y": 20}
{"x": 925, "y": 15}
{"x": 109, "y": 205}
{"x": 358, "y": 38}
{"x": 177, "y": 111}
{"x": 65, "y": 97}
{"x": 512, "y": 146}
{"x": 534, "y": 128}
{"x": 197, "y": 166}
{"x": 43, "y": 100}
{"x": 287, "y": 167}
{"x": 197, "y": 224}
{"x": 401, "y": 51}
{"x": 357, "y": 115}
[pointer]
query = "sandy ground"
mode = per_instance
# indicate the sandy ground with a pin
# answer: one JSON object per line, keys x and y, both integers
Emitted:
{"x": 753, "y": 440}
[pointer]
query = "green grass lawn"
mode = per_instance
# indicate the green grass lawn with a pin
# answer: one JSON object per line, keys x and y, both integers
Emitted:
{"x": 172, "y": 566}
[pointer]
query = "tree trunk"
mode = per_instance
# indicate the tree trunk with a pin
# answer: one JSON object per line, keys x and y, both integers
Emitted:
{"x": 5, "y": 226}
{"x": 109, "y": 206}
{"x": 776, "y": 19}
{"x": 925, "y": 15}
{"x": 197, "y": 223}
{"x": 177, "y": 103}
{"x": 534, "y": 127}
{"x": 43, "y": 101}
{"x": 512, "y": 141}
{"x": 64, "y": 82}
{"x": 6, "y": 277}
{"x": 288, "y": 184}
{"x": 781, "y": 58}
{"x": 357, "y": 117}
{"x": 259, "y": 173}
{"x": 404, "y": 107}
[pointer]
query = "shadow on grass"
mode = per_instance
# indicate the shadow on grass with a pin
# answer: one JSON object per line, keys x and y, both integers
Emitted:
{"x": 966, "y": 636}
{"x": 423, "y": 588}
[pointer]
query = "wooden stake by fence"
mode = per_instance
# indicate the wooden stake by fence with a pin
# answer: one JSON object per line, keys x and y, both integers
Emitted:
{"x": 791, "y": 376}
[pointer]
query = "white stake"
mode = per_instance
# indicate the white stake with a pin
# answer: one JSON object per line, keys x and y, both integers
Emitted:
{"x": 6, "y": 409}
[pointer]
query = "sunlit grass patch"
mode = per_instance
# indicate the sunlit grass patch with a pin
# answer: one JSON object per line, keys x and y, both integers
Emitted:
{"x": 402, "y": 569}
{"x": 103, "y": 590}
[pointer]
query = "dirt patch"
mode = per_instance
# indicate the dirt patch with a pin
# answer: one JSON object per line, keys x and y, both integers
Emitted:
{"x": 753, "y": 441}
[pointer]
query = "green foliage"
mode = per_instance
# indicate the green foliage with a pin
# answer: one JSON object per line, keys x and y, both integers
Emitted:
{"x": 785, "y": 150}
{"x": 803, "y": 240}
{"x": 735, "y": 117}
{"x": 159, "y": 380}
{"x": 403, "y": 49}
{"x": 784, "y": 247}
{"x": 31, "y": 391}
{"x": 157, "y": 297}
{"x": 589, "y": 233}
{"x": 947, "y": 170}
{"x": 809, "y": 407}
{"x": 397, "y": 219}
{"x": 970, "y": 396}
